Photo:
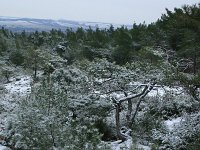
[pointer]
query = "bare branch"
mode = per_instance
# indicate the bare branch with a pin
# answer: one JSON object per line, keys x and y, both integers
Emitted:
{"x": 141, "y": 99}
{"x": 132, "y": 96}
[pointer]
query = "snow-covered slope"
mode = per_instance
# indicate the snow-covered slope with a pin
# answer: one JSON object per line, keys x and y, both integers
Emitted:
{"x": 18, "y": 87}
{"x": 29, "y": 24}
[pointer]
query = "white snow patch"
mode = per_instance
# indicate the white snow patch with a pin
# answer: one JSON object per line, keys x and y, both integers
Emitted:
{"x": 135, "y": 83}
{"x": 101, "y": 80}
{"x": 171, "y": 124}
{"x": 140, "y": 146}
{"x": 159, "y": 52}
{"x": 3, "y": 148}
{"x": 18, "y": 87}
{"x": 117, "y": 96}
{"x": 160, "y": 91}
{"x": 97, "y": 92}
{"x": 117, "y": 145}
{"x": 22, "y": 87}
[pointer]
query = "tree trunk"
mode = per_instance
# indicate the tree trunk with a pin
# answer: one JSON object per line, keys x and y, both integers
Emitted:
{"x": 35, "y": 73}
{"x": 140, "y": 100}
{"x": 117, "y": 117}
{"x": 130, "y": 120}
{"x": 194, "y": 63}
{"x": 137, "y": 108}
{"x": 128, "y": 115}
{"x": 120, "y": 136}
{"x": 52, "y": 135}
{"x": 7, "y": 76}
{"x": 35, "y": 69}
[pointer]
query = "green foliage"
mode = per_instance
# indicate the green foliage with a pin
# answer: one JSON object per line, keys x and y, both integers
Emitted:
{"x": 6, "y": 72}
{"x": 122, "y": 56}
{"x": 182, "y": 31}
{"x": 194, "y": 143}
{"x": 145, "y": 123}
{"x": 3, "y": 45}
{"x": 147, "y": 54}
{"x": 184, "y": 136}
{"x": 35, "y": 59}
{"x": 189, "y": 82}
{"x": 44, "y": 121}
{"x": 64, "y": 50}
{"x": 179, "y": 30}
{"x": 16, "y": 57}
{"x": 122, "y": 53}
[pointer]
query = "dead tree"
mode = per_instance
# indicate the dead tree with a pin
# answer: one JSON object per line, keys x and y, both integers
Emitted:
{"x": 130, "y": 118}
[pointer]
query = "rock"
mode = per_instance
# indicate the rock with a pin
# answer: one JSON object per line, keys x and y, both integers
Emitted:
{"x": 2, "y": 88}
{"x": 18, "y": 78}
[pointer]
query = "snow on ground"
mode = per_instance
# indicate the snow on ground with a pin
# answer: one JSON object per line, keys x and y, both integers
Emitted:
{"x": 18, "y": 87}
{"x": 142, "y": 147}
{"x": 3, "y": 148}
{"x": 126, "y": 145}
{"x": 21, "y": 86}
{"x": 171, "y": 124}
{"x": 119, "y": 145}
{"x": 159, "y": 52}
{"x": 161, "y": 91}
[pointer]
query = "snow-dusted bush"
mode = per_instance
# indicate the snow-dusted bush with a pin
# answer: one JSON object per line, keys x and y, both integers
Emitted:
{"x": 180, "y": 131}
{"x": 46, "y": 120}
{"x": 63, "y": 49}
{"x": 7, "y": 72}
{"x": 183, "y": 136}
{"x": 172, "y": 105}
{"x": 146, "y": 70}
{"x": 16, "y": 57}
{"x": 194, "y": 144}
{"x": 145, "y": 122}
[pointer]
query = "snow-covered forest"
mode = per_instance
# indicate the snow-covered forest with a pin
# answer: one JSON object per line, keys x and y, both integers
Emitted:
{"x": 103, "y": 89}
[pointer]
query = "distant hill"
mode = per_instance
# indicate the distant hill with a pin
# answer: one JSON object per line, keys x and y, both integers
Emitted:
{"x": 29, "y": 24}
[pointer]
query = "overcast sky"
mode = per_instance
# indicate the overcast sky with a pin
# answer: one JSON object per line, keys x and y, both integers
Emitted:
{"x": 110, "y": 11}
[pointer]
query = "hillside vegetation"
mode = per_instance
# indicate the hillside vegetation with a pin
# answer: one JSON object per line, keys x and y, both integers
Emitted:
{"x": 115, "y": 88}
